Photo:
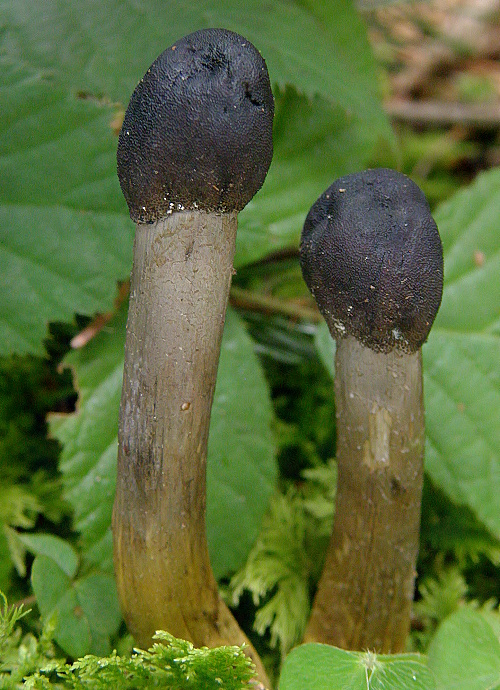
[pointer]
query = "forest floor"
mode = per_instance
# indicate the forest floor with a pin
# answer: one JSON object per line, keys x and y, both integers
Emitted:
{"x": 440, "y": 72}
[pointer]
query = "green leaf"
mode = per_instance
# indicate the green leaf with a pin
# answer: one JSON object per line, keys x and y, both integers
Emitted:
{"x": 465, "y": 653}
{"x": 5, "y": 561}
{"x": 53, "y": 547}
{"x": 89, "y": 437}
{"x": 70, "y": 161}
{"x": 462, "y": 356}
{"x": 107, "y": 47}
{"x": 86, "y": 610}
{"x": 54, "y": 262}
{"x": 57, "y": 598}
{"x": 65, "y": 238}
{"x": 325, "y": 345}
{"x": 468, "y": 229}
{"x": 241, "y": 467}
{"x": 321, "y": 667}
{"x": 17, "y": 551}
{"x": 98, "y": 598}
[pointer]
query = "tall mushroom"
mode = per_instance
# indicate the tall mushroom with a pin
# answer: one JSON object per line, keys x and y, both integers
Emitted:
{"x": 372, "y": 257}
{"x": 195, "y": 146}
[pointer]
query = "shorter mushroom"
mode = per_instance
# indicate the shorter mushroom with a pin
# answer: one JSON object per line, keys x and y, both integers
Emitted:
{"x": 372, "y": 257}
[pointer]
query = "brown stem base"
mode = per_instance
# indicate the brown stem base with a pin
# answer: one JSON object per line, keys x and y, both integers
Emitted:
{"x": 365, "y": 592}
{"x": 179, "y": 288}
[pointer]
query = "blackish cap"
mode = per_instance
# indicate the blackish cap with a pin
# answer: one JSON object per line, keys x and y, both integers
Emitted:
{"x": 198, "y": 129}
{"x": 372, "y": 257}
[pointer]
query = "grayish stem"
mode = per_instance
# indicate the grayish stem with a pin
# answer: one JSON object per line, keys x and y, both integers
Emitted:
{"x": 179, "y": 288}
{"x": 366, "y": 588}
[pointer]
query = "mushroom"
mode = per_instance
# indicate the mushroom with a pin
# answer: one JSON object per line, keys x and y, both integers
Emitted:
{"x": 195, "y": 146}
{"x": 372, "y": 257}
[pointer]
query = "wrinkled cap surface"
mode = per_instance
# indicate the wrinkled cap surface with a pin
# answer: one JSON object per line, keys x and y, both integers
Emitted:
{"x": 372, "y": 257}
{"x": 197, "y": 132}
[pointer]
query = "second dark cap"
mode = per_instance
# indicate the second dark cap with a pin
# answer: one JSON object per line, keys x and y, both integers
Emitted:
{"x": 372, "y": 257}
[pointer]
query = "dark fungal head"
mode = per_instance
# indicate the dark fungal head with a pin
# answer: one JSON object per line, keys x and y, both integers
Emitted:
{"x": 372, "y": 257}
{"x": 197, "y": 132}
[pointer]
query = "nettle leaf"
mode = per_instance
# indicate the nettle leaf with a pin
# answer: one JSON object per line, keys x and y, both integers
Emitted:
{"x": 241, "y": 467}
{"x": 65, "y": 238}
{"x": 55, "y": 261}
{"x": 105, "y": 48}
{"x": 63, "y": 67}
{"x": 462, "y": 355}
{"x": 57, "y": 146}
{"x": 321, "y": 667}
{"x": 465, "y": 653}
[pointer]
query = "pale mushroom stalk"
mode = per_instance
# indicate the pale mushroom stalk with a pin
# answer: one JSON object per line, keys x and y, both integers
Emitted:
{"x": 372, "y": 257}
{"x": 195, "y": 146}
